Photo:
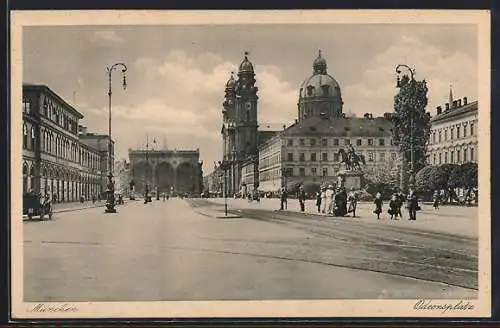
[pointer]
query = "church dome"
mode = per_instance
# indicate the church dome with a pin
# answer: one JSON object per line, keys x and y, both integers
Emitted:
{"x": 231, "y": 83}
{"x": 246, "y": 66}
{"x": 320, "y": 85}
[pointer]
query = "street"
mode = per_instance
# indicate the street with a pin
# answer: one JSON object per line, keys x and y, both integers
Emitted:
{"x": 185, "y": 250}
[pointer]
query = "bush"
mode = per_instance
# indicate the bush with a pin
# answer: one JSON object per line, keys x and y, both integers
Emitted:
{"x": 385, "y": 189}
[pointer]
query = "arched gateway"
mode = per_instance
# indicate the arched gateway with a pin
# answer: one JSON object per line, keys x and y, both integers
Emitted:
{"x": 176, "y": 171}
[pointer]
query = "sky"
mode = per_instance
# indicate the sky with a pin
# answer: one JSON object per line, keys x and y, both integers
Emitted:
{"x": 176, "y": 74}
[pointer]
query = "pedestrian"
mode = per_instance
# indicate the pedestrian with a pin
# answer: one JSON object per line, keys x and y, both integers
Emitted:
{"x": 378, "y": 205}
{"x": 329, "y": 199}
{"x": 393, "y": 207}
{"x": 353, "y": 202}
{"x": 93, "y": 199}
{"x": 318, "y": 201}
{"x": 164, "y": 196}
{"x": 412, "y": 204}
{"x": 323, "y": 199}
{"x": 283, "y": 199}
{"x": 302, "y": 198}
{"x": 400, "y": 197}
{"x": 435, "y": 199}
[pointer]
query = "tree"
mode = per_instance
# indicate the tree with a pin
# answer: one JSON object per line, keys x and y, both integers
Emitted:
{"x": 411, "y": 121}
{"x": 469, "y": 175}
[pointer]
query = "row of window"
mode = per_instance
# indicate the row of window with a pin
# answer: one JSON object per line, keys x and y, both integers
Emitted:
{"x": 336, "y": 158}
{"x": 455, "y": 133}
{"x": 53, "y": 113}
{"x": 313, "y": 142}
{"x": 454, "y": 157}
{"x": 53, "y": 143}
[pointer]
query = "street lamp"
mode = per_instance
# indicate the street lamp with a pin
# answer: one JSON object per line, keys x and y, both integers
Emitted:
{"x": 225, "y": 166}
{"x": 110, "y": 200}
{"x": 233, "y": 161}
{"x": 411, "y": 179}
{"x": 284, "y": 158}
{"x": 147, "y": 197}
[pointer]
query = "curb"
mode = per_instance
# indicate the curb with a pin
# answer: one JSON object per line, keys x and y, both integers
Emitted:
{"x": 75, "y": 209}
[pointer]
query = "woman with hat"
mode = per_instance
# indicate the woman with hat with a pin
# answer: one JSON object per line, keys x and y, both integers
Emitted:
{"x": 353, "y": 202}
{"x": 329, "y": 197}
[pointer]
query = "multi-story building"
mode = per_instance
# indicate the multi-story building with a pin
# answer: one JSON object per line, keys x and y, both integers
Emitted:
{"x": 99, "y": 142}
{"x": 250, "y": 174}
{"x": 308, "y": 151}
{"x": 50, "y": 144}
{"x": 453, "y": 137}
{"x": 54, "y": 159}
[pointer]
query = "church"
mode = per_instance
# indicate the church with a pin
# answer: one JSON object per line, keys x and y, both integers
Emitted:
{"x": 306, "y": 151}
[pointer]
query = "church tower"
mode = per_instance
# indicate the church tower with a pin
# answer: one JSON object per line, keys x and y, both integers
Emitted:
{"x": 229, "y": 118}
{"x": 246, "y": 125}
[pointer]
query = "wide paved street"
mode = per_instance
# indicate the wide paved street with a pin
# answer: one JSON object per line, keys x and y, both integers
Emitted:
{"x": 181, "y": 250}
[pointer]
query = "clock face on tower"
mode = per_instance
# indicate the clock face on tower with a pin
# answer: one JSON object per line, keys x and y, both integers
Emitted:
{"x": 248, "y": 105}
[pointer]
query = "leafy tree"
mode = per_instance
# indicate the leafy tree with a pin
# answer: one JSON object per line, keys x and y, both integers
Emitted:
{"x": 469, "y": 175}
{"x": 423, "y": 181}
{"x": 409, "y": 105}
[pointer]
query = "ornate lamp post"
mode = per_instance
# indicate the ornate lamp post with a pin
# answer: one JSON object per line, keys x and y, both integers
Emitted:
{"x": 225, "y": 165}
{"x": 411, "y": 179}
{"x": 233, "y": 162}
{"x": 110, "y": 191}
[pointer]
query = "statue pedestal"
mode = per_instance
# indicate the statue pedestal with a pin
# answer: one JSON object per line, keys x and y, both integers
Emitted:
{"x": 350, "y": 179}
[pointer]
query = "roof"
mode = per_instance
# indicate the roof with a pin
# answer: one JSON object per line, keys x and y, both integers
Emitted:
{"x": 342, "y": 127}
{"x": 263, "y": 136}
{"x": 42, "y": 87}
{"x": 454, "y": 112}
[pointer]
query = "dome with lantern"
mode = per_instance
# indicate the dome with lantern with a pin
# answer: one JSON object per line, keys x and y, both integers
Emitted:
{"x": 320, "y": 94}
{"x": 246, "y": 66}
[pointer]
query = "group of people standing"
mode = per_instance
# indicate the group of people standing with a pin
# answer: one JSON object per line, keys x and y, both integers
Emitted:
{"x": 336, "y": 202}
{"x": 395, "y": 205}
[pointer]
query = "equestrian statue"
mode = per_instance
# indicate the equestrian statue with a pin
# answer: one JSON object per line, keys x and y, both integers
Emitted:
{"x": 351, "y": 160}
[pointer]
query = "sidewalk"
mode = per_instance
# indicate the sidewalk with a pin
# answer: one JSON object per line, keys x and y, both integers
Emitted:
{"x": 449, "y": 219}
{"x": 73, "y": 206}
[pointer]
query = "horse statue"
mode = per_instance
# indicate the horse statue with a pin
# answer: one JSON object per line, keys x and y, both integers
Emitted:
{"x": 351, "y": 160}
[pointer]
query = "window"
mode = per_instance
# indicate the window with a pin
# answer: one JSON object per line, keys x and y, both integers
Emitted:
{"x": 433, "y": 137}
{"x": 370, "y": 156}
{"x": 310, "y": 90}
{"x": 336, "y": 157}
{"x": 439, "y": 136}
{"x": 440, "y": 159}
{"x": 381, "y": 142}
{"x": 25, "y": 136}
{"x": 313, "y": 171}
{"x": 313, "y": 142}
{"x": 465, "y": 131}
{"x": 313, "y": 157}
{"x": 247, "y": 115}
{"x": 359, "y": 142}
{"x": 301, "y": 142}
{"x": 472, "y": 129}
{"x": 335, "y": 142}
{"x": 26, "y": 106}
{"x": 290, "y": 142}
{"x": 325, "y": 88}
{"x": 347, "y": 142}
{"x": 458, "y": 132}
{"x": 302, "y": 157}
{"x": 452, "y": 157}
{"x": 324, "y": 142}
{"x": 459, "y": 153}
{"x": 445, "y": 135}
{"x": 290, "y": 157}
{"x": 324, "y": 157}
{"x": 382, "y": 157}
{"x": 370, "y": 142}
{"x": 452, "y": 132}
{"x": 302, "y": 172}
{"x": 434, "y": 159}
{"x": 472, "y": 154}
{"x": 325, "y": 171}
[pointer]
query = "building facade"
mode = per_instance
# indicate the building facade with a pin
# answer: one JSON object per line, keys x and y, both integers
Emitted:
{"x": 308, "y": 151}
{"x": 453, "y": 137}
{"x": 164, "y": 170}
{"x": 100, "y": 143}
{"x": 54, "y": 159}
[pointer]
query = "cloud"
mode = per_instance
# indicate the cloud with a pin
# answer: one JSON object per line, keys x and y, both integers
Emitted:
{"x": 106, "y": 36}
{"x": 375, "y": 91}
{"x": 180, "y": 97}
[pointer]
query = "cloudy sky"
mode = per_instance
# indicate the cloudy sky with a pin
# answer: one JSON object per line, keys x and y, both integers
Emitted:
{"x": 176, "y": 74}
